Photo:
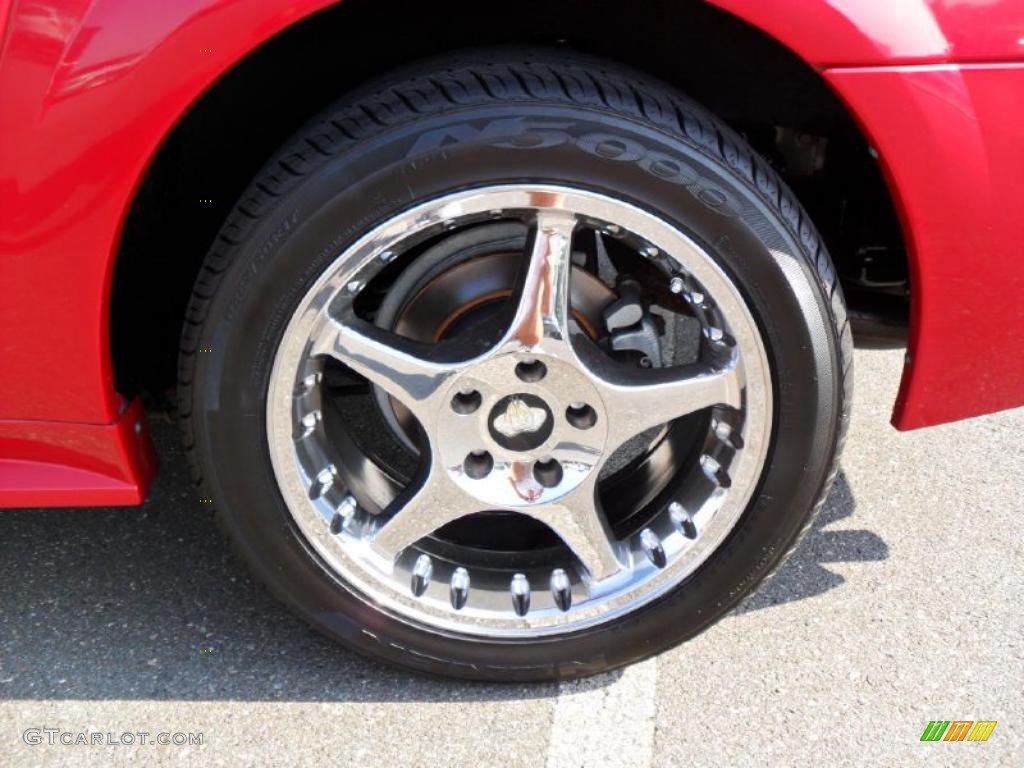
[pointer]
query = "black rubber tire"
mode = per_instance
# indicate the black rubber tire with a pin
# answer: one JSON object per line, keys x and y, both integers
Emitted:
{"x": 499, "y": 117}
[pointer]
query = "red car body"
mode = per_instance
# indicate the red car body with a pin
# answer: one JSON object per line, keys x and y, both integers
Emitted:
{"x": 89, "y": 89}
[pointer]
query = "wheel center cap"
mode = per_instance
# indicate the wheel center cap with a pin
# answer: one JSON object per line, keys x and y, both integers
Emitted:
{"x": 520, "y": 422}
{"x": 513, "y": 441}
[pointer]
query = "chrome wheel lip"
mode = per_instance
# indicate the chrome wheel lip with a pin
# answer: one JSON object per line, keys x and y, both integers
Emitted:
{"x": 352, "y": 560}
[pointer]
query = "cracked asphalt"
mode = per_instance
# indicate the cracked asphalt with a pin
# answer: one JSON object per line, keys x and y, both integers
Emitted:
{"x": 903, "y": 605}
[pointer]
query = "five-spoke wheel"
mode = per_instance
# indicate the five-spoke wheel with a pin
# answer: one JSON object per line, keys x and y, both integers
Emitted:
{"x": 522, "y": 415}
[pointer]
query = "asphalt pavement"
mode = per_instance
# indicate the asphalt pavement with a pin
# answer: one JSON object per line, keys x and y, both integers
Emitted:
{"x": 903, "y": 605}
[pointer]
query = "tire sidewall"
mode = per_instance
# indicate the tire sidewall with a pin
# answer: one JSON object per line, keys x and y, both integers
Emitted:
{"x": 329, "y": 208}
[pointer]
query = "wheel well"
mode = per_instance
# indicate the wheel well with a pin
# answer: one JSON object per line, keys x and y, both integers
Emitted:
{"x": 781, "y": 105}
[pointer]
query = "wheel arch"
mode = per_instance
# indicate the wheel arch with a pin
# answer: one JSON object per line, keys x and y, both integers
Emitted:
{"x": 198, "y": 168}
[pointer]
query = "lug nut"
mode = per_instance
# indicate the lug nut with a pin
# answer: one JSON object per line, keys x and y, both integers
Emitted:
{"x": 478, "y": 464}
{"x": 531, "y": 370}
{"x": 548, "y": 472}
{"x": 676, "y": 285}
{"x": 581, "y": 415}
{"x": 466, "y": 401}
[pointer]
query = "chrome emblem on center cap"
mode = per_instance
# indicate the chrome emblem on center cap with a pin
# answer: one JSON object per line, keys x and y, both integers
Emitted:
{"x": 519, "y": 418}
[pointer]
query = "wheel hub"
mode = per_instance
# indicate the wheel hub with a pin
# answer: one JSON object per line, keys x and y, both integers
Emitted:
{"x": 520, "y": 442}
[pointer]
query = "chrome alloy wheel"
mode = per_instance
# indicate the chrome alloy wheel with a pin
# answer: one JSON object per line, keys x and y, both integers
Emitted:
{"x": 522, "y": 422}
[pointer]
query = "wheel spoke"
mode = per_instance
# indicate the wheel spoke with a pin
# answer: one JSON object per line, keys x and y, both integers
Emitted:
{"x": 637, "y": 402}
{"x": 579, "y": 522}
{"x": 398, "y": 366}
{"x": 435, "y": 502}
{"x": 541, "y": 318}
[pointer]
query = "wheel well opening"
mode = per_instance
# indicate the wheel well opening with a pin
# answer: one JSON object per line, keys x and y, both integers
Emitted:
{"x": 781, "y": 105}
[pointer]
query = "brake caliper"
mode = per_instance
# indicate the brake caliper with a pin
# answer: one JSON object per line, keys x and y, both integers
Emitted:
{"x": 631, "y": 327}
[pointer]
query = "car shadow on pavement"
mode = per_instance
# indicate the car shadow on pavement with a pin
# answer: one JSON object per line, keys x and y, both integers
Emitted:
{"x": 804, "y": 573}
{"x": 148, "y": 603}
